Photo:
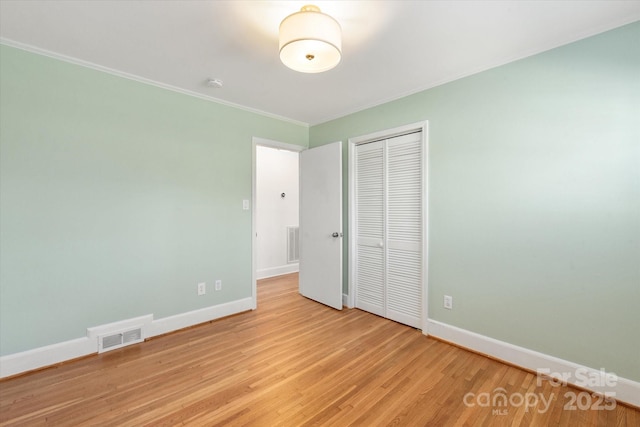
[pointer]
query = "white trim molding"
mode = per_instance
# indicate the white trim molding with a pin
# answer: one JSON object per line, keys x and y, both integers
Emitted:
{"x": 41, "y": 357}
{"x": 346, "y": 300}
{"x": 144, "y": 80}
{"x": 255, "y": 142}
{"x": 265, "y": 273}
{"x": 622, "y": 389}
{"x": 192, "y": 318}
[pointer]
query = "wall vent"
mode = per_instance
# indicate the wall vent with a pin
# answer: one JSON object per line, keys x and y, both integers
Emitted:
{"x": 293, "y": 244}
{"x": 119, "y": 339}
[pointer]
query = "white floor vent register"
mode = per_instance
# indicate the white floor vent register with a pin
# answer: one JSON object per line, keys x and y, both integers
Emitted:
{"x": 119, "y": 339}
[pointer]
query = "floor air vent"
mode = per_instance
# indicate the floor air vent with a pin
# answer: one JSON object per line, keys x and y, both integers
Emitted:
{"x": 119, "y": 339}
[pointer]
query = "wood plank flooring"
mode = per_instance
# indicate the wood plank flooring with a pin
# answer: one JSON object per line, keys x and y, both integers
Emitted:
{"x": 292, "y": 362}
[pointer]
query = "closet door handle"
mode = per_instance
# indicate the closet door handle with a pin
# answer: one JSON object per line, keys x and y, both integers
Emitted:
{"x": 336, "y": 234}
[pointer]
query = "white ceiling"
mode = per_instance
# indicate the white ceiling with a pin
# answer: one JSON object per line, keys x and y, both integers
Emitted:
{"x": 390, "y": 48}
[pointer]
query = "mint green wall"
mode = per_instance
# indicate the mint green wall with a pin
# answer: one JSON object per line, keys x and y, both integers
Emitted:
{"x": 534, "y": 198}
{"x": 116, "y": 199}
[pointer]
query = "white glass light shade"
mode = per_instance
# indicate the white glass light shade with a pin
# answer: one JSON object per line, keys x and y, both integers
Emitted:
{"x": 310, "y": 41}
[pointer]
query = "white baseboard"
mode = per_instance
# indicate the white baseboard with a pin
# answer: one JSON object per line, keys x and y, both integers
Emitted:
{"x": 276, "y": 271}
{"x": 29, "y": 360}
{"x": 624, "y": 390}
{"x": 191, "y": 318}
{"x": 345, "y": 300}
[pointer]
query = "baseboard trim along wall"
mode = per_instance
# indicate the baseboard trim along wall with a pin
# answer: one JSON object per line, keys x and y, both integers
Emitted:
{"x": 265, "y": 273}
{"x": 624, "y": 390}
{"x": 563, "y": 371}
{"x": 191, "y": 318}
{"x": 30, "y": 360}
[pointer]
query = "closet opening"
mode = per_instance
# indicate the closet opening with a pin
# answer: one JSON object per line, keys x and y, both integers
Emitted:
{"x": 388, "y": 202}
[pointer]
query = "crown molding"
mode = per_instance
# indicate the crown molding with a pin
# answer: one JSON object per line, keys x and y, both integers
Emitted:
{"x": 139, "y": 79}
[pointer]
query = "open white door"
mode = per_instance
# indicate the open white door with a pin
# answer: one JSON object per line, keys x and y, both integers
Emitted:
{"x": 321, "y": 224}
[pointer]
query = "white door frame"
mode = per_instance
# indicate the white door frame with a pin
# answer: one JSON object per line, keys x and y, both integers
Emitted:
{"x": 254, "y": 247}
{"x": 386, "y": 134}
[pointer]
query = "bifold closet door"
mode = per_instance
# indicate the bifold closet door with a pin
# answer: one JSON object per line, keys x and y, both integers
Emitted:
{"x": 404, "y": 229}
{"x": 370, "y": 207}
{"x": 389, "y": 200}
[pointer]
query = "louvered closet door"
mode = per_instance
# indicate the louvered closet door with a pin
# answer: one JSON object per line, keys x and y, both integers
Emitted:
{"x": 389, "y": 200}
{"x": 370, "y": 272}
{"x": 404, "y": 229}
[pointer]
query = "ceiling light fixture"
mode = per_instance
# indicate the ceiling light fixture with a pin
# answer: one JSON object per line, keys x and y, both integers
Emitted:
{"x": 310, "y": 41}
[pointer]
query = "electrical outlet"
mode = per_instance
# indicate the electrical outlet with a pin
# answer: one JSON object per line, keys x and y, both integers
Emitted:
{"x": 448, "y": 302}
{"x": 202, "y": 288}
{"x": 218, "y": 285}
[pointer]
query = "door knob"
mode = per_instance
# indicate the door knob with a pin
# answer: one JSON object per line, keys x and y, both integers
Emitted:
{"x": 336, "y": 234}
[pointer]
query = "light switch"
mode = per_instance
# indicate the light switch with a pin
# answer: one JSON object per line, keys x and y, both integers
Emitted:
{"x": 245, "y": 205}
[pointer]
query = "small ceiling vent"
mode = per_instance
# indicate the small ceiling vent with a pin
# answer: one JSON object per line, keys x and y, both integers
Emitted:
{"x": 119, "y": 339}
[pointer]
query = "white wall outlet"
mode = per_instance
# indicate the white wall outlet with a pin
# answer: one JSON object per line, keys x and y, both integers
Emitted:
{"x": 448, "y": 302}
{"x": 202, "y": 288}
{"x": 218, "y": 285}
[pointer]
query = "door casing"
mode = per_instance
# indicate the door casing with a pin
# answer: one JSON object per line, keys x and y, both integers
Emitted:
{"x": 254, "y": 264}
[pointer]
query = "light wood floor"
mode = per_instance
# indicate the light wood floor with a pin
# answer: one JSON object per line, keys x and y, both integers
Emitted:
{"x": 291, "y": 362}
